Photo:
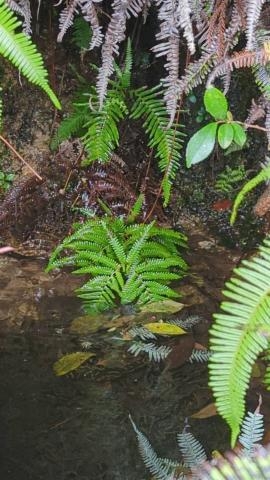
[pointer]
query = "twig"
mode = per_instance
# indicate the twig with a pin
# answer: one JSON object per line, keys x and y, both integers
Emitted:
{"x": 20, "y": 157}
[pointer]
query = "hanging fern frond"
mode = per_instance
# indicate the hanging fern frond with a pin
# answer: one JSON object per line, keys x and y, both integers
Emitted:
{"x": 67, "y": 17}
{"x": 161, "y": 469}
{"x": 154, "y": 352}
{"x": 191, "y": 449}
{"x": 252, "y": 431}
{"x": 253, "y": 9}
{"x": 22, "y": 7}
{"x": 262, "y": 176}
{"x": 166, "y": 141}
{"x": 239, "y": 335}
{"x": 90, "y": 15}
{"x": 22, "y": 53}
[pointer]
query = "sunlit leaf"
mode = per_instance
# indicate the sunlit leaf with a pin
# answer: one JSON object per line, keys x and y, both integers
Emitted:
{"x": 201, "y": 144}
{"x": 216, "y": 103}
{"x": 225, "y": 135}
{"x": 162, "y": 328}
{"x": 70, "y": 362}
{"x": 164, "y": 306}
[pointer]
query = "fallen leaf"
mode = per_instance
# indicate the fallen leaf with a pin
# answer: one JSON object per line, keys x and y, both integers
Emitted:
{"x": 222, "y": 205}
{"x": 164, "y": 306}
{"x": 181, "y": 350}
{"x": 87, "y": 324}
{"x": 206, "y": 412}
{"x": 162, "y": 328}
{"x": 70, "y": 362}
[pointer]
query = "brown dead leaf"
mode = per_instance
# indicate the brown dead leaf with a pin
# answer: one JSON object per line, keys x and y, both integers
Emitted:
{"x": 206, "y": 412}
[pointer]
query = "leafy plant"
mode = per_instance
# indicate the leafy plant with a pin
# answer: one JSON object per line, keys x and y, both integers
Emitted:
{"x": 22, "y": 53}
{"x": 82, "y": 33}
{"x": 228, "y": 180}
{"x": 262, "y": 176}
{"x": 99, "y": 127}
{"x": 239, "y": 334}
{"x": 224, "y": 129}
{"x": 6, "y": 180}
{"x": 127, "y": 263}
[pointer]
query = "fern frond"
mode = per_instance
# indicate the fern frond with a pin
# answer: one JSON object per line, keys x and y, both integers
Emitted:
{"x": 252, "y": 431}
{"x": 160, "y": 468}
{"x": 22, "y": 7}
{"x": 90, "y": 15}
{"x": 82, "y": 33}
{"x": 238, "y": 336}
{"x": 262, "y": 176}
{"x": 102, "y": 134}
{"x": 67, "y": 17}
{"x": 154, "y": 352}
{"x": 191, "y": 449}
{"x": 186, "y": 323}
{"x": 253, "y": 9}
{"x": 200, "y": 356}
{"x": 22, "y": 53}
{"x": 70, "y": 126}
{"x": 142, "y": 333}
{"x": 166, "y": 141}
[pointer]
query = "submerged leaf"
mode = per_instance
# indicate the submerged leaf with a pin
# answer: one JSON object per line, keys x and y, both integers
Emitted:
{"x": 164, "y": 306}
{"x": 87, "y": 324}
{"x": 162, "y": 328}
{"x": 70, "y": 362}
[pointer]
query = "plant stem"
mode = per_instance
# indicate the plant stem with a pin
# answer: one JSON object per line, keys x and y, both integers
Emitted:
{"x": 20, "y": 157}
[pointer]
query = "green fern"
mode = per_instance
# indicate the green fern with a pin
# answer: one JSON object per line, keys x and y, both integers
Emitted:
{"x": 167, "y": 142}
{"x": 229, "y": 178}
{"x": 239, "y": 335}
{"x": 22, "y": 53}
{"x": 113, "y": 254}
{"x": 262, "y": 176}
{"x": 82, "y": 33}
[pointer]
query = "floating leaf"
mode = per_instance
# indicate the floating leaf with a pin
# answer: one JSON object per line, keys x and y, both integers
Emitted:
{"x": 164, "y": 306}
{"x": 216, "y": 103}
{"x": 162, "y": 328}
{"x": 201, "y": 144}
{"x": 225, "y": 135}
{"x": 206, "y": 412}
{"x": 70, "y": 362}
{"x": 88, "y": 324}
{"x": 240, "y": 136}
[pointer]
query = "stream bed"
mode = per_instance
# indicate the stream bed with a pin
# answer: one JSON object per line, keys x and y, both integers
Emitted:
{"x": 77, "y": 426}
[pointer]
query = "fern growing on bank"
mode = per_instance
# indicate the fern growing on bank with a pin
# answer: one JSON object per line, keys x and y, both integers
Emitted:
{"x": 126, "y": 263}
{"x": 239, "y": 334}
{"x": 22, "y": 53}
{"x": 99, "y": 127}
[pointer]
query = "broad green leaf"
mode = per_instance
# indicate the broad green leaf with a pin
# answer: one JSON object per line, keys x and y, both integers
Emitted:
{"x": 240, "y": 136}
{"x": 162, "y": 328}
{"x": 216, "y": 103}
{"x": 70, "y": 362}
{"x": 225, "y": 135}
{"x": 201, "y": 144}
{"x": 163, "y": 306}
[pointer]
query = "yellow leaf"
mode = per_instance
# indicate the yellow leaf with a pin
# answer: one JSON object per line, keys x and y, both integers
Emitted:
{"x": 164, "y": 306}
{"x": 162, "y": 328}
{"x": 70, "y": 362}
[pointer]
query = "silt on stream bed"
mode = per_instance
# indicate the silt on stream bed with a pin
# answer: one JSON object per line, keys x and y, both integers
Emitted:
{"x": 77, "y": 427}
